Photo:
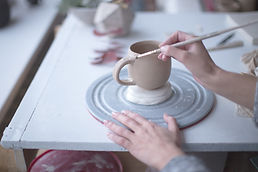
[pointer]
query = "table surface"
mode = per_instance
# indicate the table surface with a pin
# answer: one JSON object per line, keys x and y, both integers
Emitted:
{"x": 19, "y": 42}
{"x": 53, "y": 113}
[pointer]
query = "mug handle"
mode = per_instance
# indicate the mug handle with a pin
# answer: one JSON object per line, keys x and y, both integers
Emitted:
{"x": 118, "y": 67}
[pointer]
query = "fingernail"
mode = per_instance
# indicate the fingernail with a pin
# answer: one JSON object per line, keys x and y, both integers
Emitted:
{"x": 109, "y": 134}
{"x": 114, "y": 113}
{"x": 164, "y": 58}
{"x": 160, "y": 56}
{"x": 167, "y": 115}
{"x": 123, "y": 111}
{"x": 106, "y": 123}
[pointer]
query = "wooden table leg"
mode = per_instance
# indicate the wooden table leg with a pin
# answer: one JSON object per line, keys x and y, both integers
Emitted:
{"x": 130, "y": 163}
{"x": 215, "y": 161}
{"x": 20, "y": 160}
{"x": 23, "y": 158}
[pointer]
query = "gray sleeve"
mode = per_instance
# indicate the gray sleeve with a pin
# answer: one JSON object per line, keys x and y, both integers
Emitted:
{"x": 185, "y": 163}
{"x": 256, "y": 103}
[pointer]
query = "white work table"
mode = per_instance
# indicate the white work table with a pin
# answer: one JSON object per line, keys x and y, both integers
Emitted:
{"x": 53, "y": 114}
{"x": 20, "y": 43}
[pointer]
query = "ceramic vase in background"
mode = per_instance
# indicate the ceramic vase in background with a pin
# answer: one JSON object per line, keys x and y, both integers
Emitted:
{"x": 85, "y": 15}
{"x": 113, "y": 19}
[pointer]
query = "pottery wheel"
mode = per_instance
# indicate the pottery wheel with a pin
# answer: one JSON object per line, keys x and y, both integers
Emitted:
{"x": 189, "y": 104}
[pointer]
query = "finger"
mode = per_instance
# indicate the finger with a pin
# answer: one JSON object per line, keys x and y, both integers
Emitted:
{"x": 138, "y": 118}
{"x": 126, "y": 120}
{"x": 144, "y": 123}
{"x": 160, "y": 56}
{"x": 183, "y": 36}
{"x": 172, "y": 39}
{"x": 121, "y": 131}
{"x": 165, "y": 58}
{"x": 119, "y": 140}
{"x": 171, "y": 121}
{"x": 177, "y": 36}
{"x": 177, "y": 53}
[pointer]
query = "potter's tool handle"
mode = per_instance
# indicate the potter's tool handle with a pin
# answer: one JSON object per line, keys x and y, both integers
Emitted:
{"x": 117, "y": 69}
{"x": 148, "y": 53}
{"x": 199, "y": 38}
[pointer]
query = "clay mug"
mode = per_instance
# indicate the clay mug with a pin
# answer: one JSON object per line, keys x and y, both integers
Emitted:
{"x": 147, "y": 72}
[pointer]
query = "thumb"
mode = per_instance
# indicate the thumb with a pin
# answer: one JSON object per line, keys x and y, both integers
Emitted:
{"x": 169, "y": 50}
{"x": 171, "y": 121}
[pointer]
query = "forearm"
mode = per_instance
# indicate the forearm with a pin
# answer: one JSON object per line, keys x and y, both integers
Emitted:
{"x": 239, "y": 88}
{"x": 185, "y": 163}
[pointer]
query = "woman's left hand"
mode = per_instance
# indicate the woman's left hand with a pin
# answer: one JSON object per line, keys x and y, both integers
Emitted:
{"x": 145, "y": 140}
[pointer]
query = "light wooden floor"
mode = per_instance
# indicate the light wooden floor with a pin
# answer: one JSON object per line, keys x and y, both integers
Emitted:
{"x": 7, "y": 160}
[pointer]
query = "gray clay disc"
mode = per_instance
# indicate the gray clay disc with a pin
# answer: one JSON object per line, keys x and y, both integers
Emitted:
{"x": 189, "y": 103}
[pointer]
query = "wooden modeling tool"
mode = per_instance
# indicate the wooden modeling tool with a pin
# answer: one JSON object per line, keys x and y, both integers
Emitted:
{"x": 227, "y": 45}
{"x": 199, "y": 38}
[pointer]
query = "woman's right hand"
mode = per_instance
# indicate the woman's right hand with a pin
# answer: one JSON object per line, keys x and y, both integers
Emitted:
{"x": 194, "y": 56}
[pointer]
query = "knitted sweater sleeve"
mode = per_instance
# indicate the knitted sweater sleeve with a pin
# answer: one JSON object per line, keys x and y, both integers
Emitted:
{"x": 185, "y": 163}
{"x": 188, "y": 163}
{"x": 256, "y": 103}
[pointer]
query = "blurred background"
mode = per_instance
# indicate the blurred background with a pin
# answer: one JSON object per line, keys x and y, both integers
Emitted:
{"x": 8, "y": 7}
{"x": 28, "y": 27}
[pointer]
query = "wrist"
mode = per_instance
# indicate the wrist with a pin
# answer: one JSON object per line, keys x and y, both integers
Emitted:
{"x": 211, "y": 79}
{"x": 173, "y": 153}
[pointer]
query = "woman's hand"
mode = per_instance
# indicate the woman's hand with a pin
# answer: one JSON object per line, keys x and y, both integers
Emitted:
{"x": 194, "y": 56}
{"x": 148, "y": 142}
{"x": 236, "y": 87}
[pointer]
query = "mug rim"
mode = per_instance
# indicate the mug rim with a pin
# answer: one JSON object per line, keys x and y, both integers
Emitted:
{"x": 152, "y": 42}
